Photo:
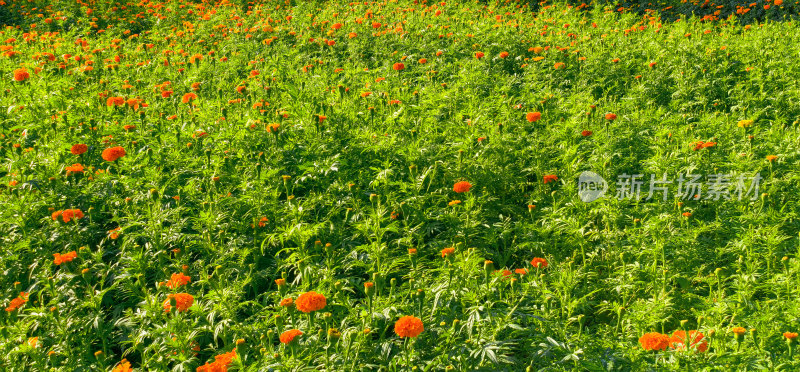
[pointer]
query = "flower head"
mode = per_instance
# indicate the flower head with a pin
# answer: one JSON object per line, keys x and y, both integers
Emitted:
{"x": 654, "y": 341}
{"x": 448, "y": 251}
{"x": 113, "y": 153}
{"x": 21, "y": 74}
{"x": 408, "y": 326}
{"x": 310, "y": 301}
{"x": 533, "y": 116}
{"x": 183, "y": 301}
{"x": 17, "y": 302}
{"x": 538, "y": 262}
{"x": 550, "y": 178}
{"x": 177, "y": 280}
{"x": 289, "y": 336}
{"x": 462, "y": 186}
{"x": 66, "y": 257}
{"x": 78, "y": 149}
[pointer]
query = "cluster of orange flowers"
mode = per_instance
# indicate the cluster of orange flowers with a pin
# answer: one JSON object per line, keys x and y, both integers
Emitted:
{"x": 177, "y": 280}
{"x": 183, "y": 301}
{"x": 220, "y": 363}
{"x": 67, "y": 215}
{"x": 678, "y": 340}
{"x": 66, "y": 257}
{"x": 17, "y": 302}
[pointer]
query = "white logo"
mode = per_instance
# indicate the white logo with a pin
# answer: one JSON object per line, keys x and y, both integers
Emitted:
{"x": 591, "y": 186}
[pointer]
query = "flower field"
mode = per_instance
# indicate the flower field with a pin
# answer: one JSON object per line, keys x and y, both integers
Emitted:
{"x": 399, "y": 186}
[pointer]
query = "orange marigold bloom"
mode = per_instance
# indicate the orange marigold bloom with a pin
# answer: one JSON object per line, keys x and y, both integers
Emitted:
{"x": 113, "y": 153}
{"x": 69, "y": 214}
{"x": 21, "y": 74}
{"x": 462, "y": 186}
{"x": 310, "y": 301}
{"x": 611, "y": 116}
{"x": 290, "y": 335}
{"x": 123, "y": 366}
{"x": 66, "y": 257}
{"x": 183, "y": 301}
{"x": 771, "y": 157}
{"x": 550, "y": 178}
{"x": 177, "y": 280}
{"x": 286, "y": 302}
{"x": 479, "y": 55}
{"x": 654, "y": 341}
{"x": 448, "y": 251}
{"x": 78, "y": 149}
{"x": 521, "y": 271}
{"x": 423, "y": 61}
{"x": 533, "y": 116}
{"x": 115, "y": 101}
{"x": 408, "y": 326}
{"x": 220, "y": 363}
{"x": 398, "y": 66}
{"x": 790, "y": 335}
{"x": 538, "y": 262}
{"x": 188, "y": 97}
{"x": 75, "y": 168}
{"x": 738, "y": 331}
{"x": 696, "y": 340}
{"x": 503, "y": 54}
{"x": 17, "y": 302}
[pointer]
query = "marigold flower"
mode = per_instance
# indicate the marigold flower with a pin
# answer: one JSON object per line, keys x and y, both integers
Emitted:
{"x": 539, "y": 262}
{"x": 220, "y": 363}
{"x": 310, "y": 301}
{"x": 408, "y": 326}
{"x": 611, "y": 116}
{"x": 533, "y": 116}
{"x": 550, "y": 178}
{"x": 69, "y": 214}
{"x": 462, "y": 186}
{"x": 21, "y": 74}
{"x": 17, "y": 302}
{"x": 770, "y": 158}
{"x": 183, "y": 301}
{"x": 286, "y": 302}
{"x": 790, "y": 336}
{"x": 123, "y": 366}
{"x": 586, "y": 133}
{"x": 412, "y": 251}
{"x": 696, "y": 340}
{"x": 503, "y": 54}
{"x": 738, "y": 331}
{"x": 66, "y": 257}
{"x": 75, "y": 168}
{"x": 654, "y": 341}
{"x": 398, "y": 66}
{"x": 448, "y": 251}
{"x": 479, "y": 55}
{"x": 188, "y": 97}
{"x": 78, "y": 149}
{"x": 177, "y": 280}
{"x": 113, "y": 153}
{"x": 289, "y": 336}
{"x": 521, "y": 271}
{"x": 423, "y": 61}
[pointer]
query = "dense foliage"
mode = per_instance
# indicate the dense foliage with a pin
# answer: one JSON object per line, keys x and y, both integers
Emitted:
{"x": 198, "y": 186}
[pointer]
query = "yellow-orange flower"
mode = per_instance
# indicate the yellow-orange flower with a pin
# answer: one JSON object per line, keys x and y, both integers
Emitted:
{"x": 290, "y": 335}
{"x": 113, "y": 153}
{"x": 654, "y": 341}
{"x": 183, "y": 301}
{"x": 310, "y": 301}
{"x": 408, "y": 326}
{"x": 66, "y": 257}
